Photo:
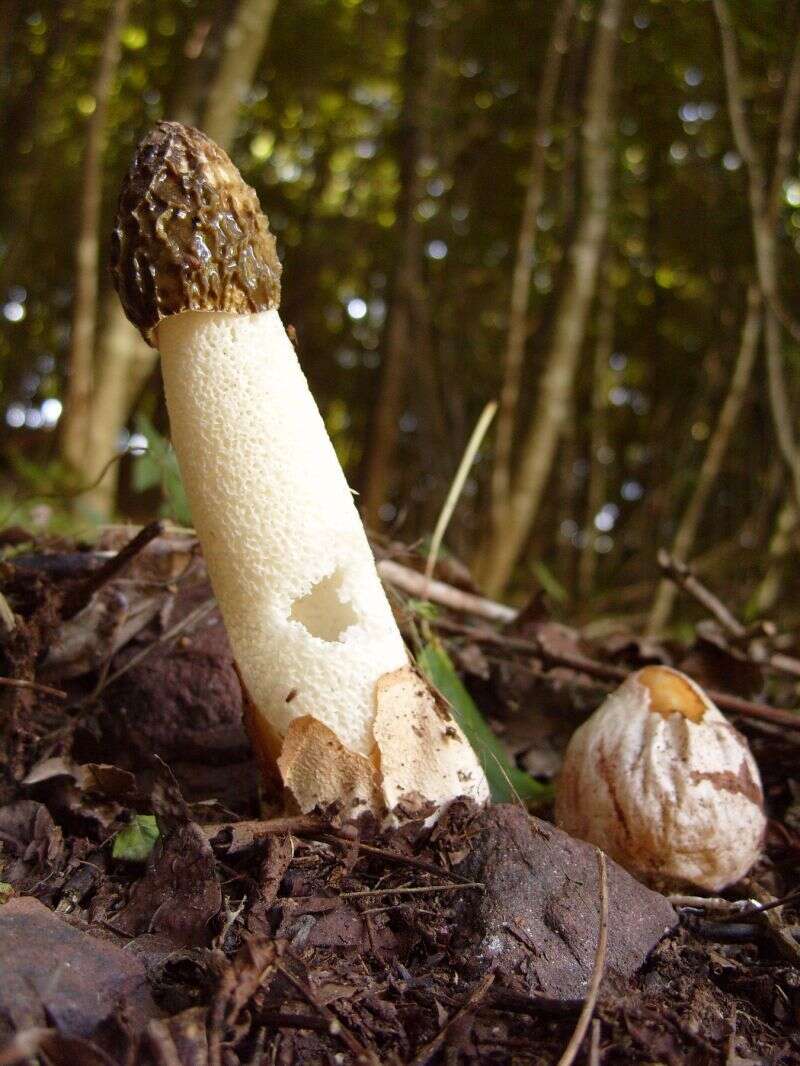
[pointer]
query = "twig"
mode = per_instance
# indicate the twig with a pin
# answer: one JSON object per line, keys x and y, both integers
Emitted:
{"x": 80, "y": 595}
{"x": 762, "y": 908}
{"x": 396, "y": 857}
{"x": 711, "y": 904}
{"x": 683, "y": 577}
{"x": 191, "y": 619}
{"x": 469, "y": 1006}
{"x": 769, "y": 915}
{"x": 18, "y": 682}
{"x": 585, "y": 1017}
{"x": 735, "y": 704}
{"x": 7, "y": 618}
{"x": 247, "y": 835}
{"x": 414, "y": 583}
{"x": 418, "y": 889}
{"x": 335, "y": 1026}
{"x": 725, "y": 932}
{"x": 475, "y": 441}
{"x": 594, "y": 1046}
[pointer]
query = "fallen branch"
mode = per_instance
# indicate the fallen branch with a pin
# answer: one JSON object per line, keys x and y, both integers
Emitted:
{"x": 416, "y": 584}
{"x": 734, "y": 704}
{"x": 685, "y": 579}
{"x": 16, "y": 682}
{"x": 336, "y": 1027}
{"x": 412, "y": 890}
{"x": 469, "y": 1006}
{"x": 245, "y": 836}
{"x": 682, "y": 576}
{"x": 80, "y": 595}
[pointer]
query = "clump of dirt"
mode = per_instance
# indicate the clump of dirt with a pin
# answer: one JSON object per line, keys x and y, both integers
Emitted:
{"x": 158, "y": 918}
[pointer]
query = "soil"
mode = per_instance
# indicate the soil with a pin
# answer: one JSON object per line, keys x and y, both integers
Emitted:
{"x": 249, "y": 935}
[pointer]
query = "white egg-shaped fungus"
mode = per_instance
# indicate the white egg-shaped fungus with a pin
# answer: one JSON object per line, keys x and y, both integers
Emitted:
{"x": 662, "y": 782}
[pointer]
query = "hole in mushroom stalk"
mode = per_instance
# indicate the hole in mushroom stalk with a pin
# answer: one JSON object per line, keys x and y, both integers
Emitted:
{"x": 671, "y": 694}
{"x": 322, "y": 612}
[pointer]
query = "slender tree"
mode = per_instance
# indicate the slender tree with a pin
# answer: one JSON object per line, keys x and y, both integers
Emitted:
{"x": 711, "y": 466}
{"x": 764, "y": 200}
{"x": 598, "y": 436}
{"x": 243, "y": 45}
{"x": 124, "y": 361}
{"x": 75, "y": 426}
{"x": 539, "y": 446}
{"x": 524, "y": 262}
{"x": 782, "y": 541}
{"x": 407, "y": 280}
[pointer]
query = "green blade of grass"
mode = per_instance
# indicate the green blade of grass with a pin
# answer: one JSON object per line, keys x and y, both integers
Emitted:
{"x": 507, "y": 782}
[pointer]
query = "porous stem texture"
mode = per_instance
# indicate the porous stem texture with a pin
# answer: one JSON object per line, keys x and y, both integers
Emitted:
{"x": 309, "y": 622}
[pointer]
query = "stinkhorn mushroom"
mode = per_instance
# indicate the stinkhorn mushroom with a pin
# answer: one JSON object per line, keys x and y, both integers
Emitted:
{"x": 663, "y": 783}
{"x": 332, "y": 700}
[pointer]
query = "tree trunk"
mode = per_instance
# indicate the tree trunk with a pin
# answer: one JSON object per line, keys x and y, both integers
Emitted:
{"x": 686, "y": 534}
{"x": 764, "y": 204}
{"x": 243, "y": 45}
{"x": 556, "y": 385}
{"x": 598, "y": 442}
{"x": 124, "y": 361}
{"x": 523, "y": 265}
{"x": 781, "y": 543}
{"x": 77, "y": 407}
{"x": 382, "y": 437}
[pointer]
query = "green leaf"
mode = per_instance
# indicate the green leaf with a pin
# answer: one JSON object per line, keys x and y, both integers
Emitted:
{"x": 549, "y": 582}
{"x": 135, "y": 842}
{"x": 6, "y": 892}
{"x": 423, "y": 608}
{"x": 507, "y": 782}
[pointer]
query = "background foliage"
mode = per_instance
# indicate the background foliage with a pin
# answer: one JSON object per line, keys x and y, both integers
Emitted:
{"x": 319, "y": 134}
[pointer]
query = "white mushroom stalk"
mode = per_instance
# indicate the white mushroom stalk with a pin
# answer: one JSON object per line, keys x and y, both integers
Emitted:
{"x": 332, "y": 698}
{"x": 663, "y": 783}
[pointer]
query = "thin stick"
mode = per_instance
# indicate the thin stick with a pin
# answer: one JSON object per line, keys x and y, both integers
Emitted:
{"x": 469, "y": 1006}
{"x": 683, "y": 577}
{"x": 247, "y": 835}
{"x": 16, "y": 682}
{"x": 191, "y": 618}
{"x": 417, "y": 890}
{"x": 414, "y": 583}
{"x": 735, "y": 704}
{"x": 395, "y": 856}
{"x": 467, "y": 459}
{"x": 585, "y": 1017}
{"x": 7, "y": 618}
{"x": 83, "y": 592}
{"x": 594, "y": 1046}
{"x": 335, "y": 1026}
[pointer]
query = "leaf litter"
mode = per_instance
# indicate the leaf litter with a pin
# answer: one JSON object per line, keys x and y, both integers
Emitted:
{"x": 210, "y": 929}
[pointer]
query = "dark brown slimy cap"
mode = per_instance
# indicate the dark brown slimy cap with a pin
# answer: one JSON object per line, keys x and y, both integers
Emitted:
{"x": 190, "y": 234}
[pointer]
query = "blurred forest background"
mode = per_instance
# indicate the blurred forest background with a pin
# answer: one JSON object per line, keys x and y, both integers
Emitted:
{"x": 588, "y": 210}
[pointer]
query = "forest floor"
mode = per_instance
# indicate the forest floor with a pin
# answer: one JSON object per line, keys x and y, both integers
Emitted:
{"x": 153, "y": 909}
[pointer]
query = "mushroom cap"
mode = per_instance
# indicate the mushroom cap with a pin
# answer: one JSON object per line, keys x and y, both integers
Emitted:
{"x": 190, "y": 234}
